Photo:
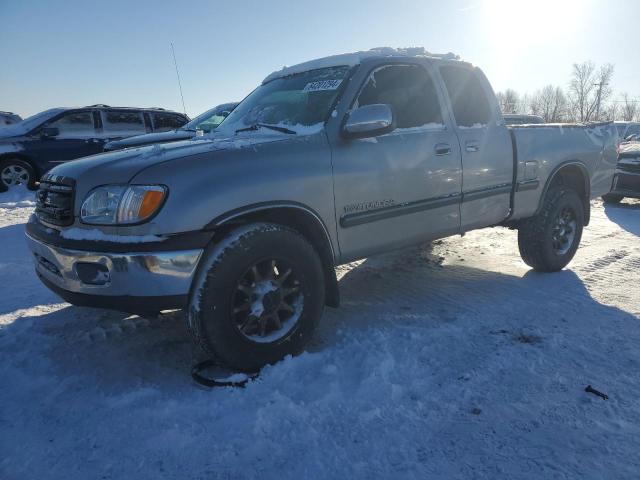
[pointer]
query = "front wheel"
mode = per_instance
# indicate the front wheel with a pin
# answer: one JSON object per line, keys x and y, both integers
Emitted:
{"x": 548, "y": 241}
{"x": 258, "y": 296}
{"x": 15, "y": 172}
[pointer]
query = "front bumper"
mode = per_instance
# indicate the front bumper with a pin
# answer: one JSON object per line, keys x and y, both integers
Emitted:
{"x": 626, "y": 183}
{"x": 131, "y": 282}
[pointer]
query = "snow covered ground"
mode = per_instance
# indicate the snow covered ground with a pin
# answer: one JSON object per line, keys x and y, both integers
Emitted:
{"x": 449, "y": 361}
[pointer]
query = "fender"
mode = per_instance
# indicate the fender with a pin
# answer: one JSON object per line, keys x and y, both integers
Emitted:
{"x": 587, "y": 185}
{"x": 324, "y": 246}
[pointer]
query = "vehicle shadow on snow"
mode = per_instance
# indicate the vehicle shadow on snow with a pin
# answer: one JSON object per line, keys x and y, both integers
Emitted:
{"x": 626, "y": 215}
{"x": 409, "y": 289}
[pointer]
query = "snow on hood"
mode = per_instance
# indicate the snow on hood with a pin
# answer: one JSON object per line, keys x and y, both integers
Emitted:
{"x": 355, "y": 58}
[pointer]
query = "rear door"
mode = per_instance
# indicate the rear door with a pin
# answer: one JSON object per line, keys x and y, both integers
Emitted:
{"x": 117, "y": 124}
{"x": 403, "y": 187}
{"x": 485, "y": 142}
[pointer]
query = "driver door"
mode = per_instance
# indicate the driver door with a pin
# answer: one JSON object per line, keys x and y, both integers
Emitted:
{"x": 403, "y": 187}
{"x": 76, "y": 138}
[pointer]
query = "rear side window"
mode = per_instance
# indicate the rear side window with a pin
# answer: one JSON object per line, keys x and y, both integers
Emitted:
{"x": 123, "y": 122}
{"x": 77, "y": 124}
{"x": 410, "y": 92}
{"x": 468, "y": 98}
{"x": 163, "y": 122}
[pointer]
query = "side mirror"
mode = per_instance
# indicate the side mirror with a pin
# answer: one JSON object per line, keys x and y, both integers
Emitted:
{"x": 49, "y": 132}
{"x": 369, "y": 121}
{"x": 225, "y": 114}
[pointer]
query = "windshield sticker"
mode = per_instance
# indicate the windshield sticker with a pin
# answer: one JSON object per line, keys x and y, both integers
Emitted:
{"x": 322, "y": 85}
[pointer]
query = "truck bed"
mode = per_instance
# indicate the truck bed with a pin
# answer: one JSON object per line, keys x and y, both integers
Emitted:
{"x": 540, "y": 150}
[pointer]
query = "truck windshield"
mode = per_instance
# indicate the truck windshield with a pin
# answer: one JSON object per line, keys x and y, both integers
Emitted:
{"x": 299, "y": 102}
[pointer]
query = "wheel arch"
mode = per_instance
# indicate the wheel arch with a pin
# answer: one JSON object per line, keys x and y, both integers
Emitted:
{"x": 573, "y": 173}
{"x": 294, "y": 215}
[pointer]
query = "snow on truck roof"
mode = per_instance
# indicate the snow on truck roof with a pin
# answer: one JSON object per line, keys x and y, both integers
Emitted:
{"x": 355, "y": 58}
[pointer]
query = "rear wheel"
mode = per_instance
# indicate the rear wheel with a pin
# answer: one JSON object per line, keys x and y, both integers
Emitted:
{"x": 548, "y": 241}
{"x": 612, "y": 198}
{"x": 258, "y": 297}
{"x": 15, "y": 172}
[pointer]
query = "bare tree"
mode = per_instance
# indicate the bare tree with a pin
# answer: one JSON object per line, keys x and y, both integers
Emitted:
{"x": 589, "y": 89}
{"x": 550, "y": 103}
{"x": 509, "y": 101}
{"x": 629, "y": 110}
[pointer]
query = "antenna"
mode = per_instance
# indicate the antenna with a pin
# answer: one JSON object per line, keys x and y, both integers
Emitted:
{"x": 178, "y": 74}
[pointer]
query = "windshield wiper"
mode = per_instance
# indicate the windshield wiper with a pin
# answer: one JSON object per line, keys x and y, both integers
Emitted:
{"x": 256, "y": 126}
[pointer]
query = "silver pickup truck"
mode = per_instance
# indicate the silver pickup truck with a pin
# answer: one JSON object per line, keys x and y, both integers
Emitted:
{"x": 325, "y": 162}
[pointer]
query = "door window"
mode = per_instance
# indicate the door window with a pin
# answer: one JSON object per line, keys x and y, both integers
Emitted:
{"x": 468, "y": 98}
{"x": 74, "y": 125}
{"x": 123, "y": 123}
{"x": 163, "y": 122}
{"x": 408, "y": 90}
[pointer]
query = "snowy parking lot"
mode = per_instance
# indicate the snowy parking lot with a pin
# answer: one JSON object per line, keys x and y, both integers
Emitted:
{"x": 452, "y": 360}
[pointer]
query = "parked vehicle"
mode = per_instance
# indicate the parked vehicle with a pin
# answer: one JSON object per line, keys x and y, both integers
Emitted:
{"x": 32, "y": 147}
{"x": 518, "y": 119}
{"x": 8, "y": 118}
{"x": 626, "y": 129}
{"x": 204, "y": 123}
{"x": 324, "y": 163}
{"x": 626, "y": 182}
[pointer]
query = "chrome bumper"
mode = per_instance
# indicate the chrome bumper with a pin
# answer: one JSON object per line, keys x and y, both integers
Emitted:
{"x": 153, "y": 274}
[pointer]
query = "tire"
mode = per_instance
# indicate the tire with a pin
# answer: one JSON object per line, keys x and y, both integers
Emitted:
{"x": 231, "y": 310}
{"x": 14, "y": 172}
{"x": 612, "y": 198}
{"x": 548, "y": 241}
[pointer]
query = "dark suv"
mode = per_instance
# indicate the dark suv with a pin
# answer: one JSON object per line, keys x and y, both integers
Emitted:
{"x": 30, "y": 148}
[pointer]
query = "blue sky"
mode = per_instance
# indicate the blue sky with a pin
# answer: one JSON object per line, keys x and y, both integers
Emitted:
{"x": 69, "y": 53}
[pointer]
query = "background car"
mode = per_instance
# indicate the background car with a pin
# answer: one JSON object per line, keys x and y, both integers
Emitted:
{"x": 7, "y": 118}
{"x": 32, "y": 147}
{"x": 206, "y": 122}
{"x": 625, "y": 129}
{"x": 519, "y": 119}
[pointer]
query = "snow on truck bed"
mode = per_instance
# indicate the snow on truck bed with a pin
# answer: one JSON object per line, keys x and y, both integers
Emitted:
{"x": 448, "y": 361}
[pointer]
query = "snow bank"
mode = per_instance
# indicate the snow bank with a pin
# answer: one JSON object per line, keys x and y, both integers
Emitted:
{"x": 17, "y": 197}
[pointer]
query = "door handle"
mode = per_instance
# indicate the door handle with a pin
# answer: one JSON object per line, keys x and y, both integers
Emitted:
{"x": 443, "y": 149}
{"x": 472, "y": 147}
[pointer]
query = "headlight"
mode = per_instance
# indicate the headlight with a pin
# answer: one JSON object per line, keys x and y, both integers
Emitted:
{"x": 122, "y": 205}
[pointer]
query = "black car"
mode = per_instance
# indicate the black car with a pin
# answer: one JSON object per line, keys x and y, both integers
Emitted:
{"x": 206, "y": 122}
{"x": 30, "y": 148}
{"x": 626, "y": 181}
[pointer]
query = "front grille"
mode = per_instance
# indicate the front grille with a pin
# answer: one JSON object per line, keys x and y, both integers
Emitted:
{"x": 54, "y": 200}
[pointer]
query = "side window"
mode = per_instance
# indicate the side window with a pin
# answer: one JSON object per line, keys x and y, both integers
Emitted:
{"x": 74, "y": 125}
{"x": 163, "y": 122}
{"x": 120, "y": 122}
{"x": 410, "y": 92}
{"x": 632, "y": 130}
{"x": 468, "y": 97}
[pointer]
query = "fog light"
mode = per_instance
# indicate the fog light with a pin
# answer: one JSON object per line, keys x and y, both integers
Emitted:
{"x": 92, "y": 273}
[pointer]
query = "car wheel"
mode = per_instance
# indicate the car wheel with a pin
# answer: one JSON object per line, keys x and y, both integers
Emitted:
{"x": 612, "y": 198}
{"x": 15, "y": 172}
{"x": 258, "y": 296}
{"x": 548, "y": 241}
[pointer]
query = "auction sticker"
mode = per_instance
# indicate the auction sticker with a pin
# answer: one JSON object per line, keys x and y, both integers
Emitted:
{"x": 322, "y": 85}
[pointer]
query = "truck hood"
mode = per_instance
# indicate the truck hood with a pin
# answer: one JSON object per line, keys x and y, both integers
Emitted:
{"x": 121, "y": 166}
{"x": 149, "y": 139}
